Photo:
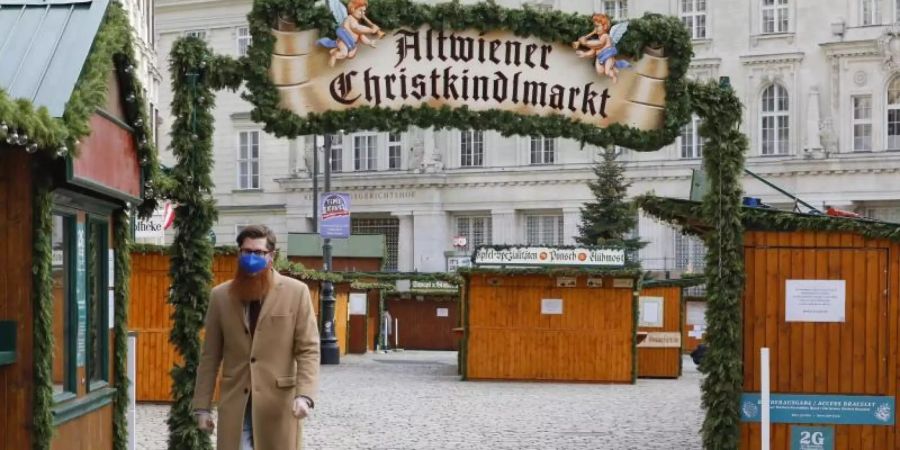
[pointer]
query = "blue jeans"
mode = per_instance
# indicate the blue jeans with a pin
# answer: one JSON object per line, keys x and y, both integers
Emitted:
{"x": 247, "y": 432}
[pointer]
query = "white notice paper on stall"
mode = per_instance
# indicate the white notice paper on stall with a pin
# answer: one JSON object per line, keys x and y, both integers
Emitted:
{"x": 651, "y": 310}
{"x": 357, "y": 304}
{"x": 111, "y": 276}
{"x": 553, "y": 306}
{"x": 112, "y": 309}
{"x": 815, "y": 300}
{"x": 696, "y": 313}
{"x": 443, "y": 312}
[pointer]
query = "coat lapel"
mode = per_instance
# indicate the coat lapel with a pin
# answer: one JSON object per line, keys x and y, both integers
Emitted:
{"x": 271, "y": 299}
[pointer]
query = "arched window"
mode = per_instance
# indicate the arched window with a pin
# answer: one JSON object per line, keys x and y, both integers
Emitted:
{"x": 774, "y": 121}
{"x": 893, "y": 114}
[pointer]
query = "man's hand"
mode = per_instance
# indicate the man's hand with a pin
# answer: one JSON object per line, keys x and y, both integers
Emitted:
{"x": 205, "y": 421}
{"x": 301, "y": 407}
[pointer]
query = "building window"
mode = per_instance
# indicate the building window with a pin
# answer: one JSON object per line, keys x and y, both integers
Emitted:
{"x": 543, "y": 150}
{"x": 476, "y": 230}
{"x": 62, "y": 244}
{"x": 616, "y": 9}
{"x": 544, "y": 230}
{"x": 775, "y": 16}
{"x": 394, "y": 151}
{"x": 869, "y": 12}
{"x": 387, "y": 227}
{"x": 862, "y": 123}
{"x": 774, "y": 121}
{"x": 248, "y": 160}
{"x": 199, "y": 34}
{"x": 691, "y": 142}
{"x": 98, "y": 301}
{"x": 337, "y": 153}
{"x": 243, "y": 40}
{"x": 693, "y": 15}
{"x": 364, "y": 152}
{"x": 471, "y": 148}
{"x": 893, "y": 115}
{"x": 690, "y": 257}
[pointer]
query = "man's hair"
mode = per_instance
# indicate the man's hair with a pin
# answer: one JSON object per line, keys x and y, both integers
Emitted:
{"x": 256, "y": 232}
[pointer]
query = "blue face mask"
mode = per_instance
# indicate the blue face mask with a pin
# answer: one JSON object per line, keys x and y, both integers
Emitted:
{"x": 252, "y": 264}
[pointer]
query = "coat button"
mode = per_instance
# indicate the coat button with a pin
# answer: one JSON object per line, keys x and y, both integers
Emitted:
{"x": 253, "y": 360}
{"x": 246, "y": 391}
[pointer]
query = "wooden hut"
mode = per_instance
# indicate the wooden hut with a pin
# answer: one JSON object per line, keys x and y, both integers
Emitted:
{"x": 823, "y": 295}
{"x": 661, "y": 326}
{"x": 694, "y": 326}
{"x": 659, "y": 331}
{"x": 549, "y": 323}
{"x": 73, "y": 136}
{"x": 424, "y": 316}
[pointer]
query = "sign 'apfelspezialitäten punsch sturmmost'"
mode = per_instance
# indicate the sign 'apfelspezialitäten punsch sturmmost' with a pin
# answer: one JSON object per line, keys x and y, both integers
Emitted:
{"x": 467, "y": 68}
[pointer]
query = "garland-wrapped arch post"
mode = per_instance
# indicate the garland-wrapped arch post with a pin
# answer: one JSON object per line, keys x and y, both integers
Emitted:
{"x": 191, "y": 252}
{"x": 723, "y": 161}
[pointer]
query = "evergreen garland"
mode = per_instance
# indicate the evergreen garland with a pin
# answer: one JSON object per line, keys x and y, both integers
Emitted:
{"x": 121, "y": 293}
{"x": 647, "y": 31}
{"x": 42, "y": 284}
{"x": 723, "y": 160}
{"x": 191, "y": 252}
{"x": 609, "y": 217}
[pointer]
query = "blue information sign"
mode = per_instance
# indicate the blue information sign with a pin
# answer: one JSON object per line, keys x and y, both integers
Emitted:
{"x": 812, "y": 438}
{"x": 334, "y": 215}
{"x": 80, "y": 294}
{"x": 832, "y": 409}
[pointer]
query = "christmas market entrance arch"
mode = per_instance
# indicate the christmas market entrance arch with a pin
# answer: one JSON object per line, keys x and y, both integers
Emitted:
{"x": 388, "y": 65}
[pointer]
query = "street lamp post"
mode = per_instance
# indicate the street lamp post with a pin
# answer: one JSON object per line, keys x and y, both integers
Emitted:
{"x": 330, "y": 352}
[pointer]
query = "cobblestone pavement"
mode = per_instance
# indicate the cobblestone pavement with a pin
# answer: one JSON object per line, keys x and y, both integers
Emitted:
{"x": 415, "y": 400}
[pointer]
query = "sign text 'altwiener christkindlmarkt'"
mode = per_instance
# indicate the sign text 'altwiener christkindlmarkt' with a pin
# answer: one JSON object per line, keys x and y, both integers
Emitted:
{"x": 498, "y": 70}
{"x": 546, "y": 256}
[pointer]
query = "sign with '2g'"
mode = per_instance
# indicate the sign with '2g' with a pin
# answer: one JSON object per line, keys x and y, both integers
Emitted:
{"x": 812, "y": 438}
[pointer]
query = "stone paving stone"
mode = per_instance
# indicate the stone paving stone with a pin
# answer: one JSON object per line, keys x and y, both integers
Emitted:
{"x": 416, "y": 401}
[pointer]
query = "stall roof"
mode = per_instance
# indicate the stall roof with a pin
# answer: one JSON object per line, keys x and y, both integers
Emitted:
{"x": 44, "y": 45}
{"x": 552, "y": 271}
{"x": 689, "y": 216}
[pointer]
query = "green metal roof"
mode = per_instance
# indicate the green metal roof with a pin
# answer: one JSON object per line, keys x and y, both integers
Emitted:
{"x": 43, "y": 47}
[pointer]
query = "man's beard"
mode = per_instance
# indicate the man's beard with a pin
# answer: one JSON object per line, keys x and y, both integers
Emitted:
{"x": 247, "y": 288}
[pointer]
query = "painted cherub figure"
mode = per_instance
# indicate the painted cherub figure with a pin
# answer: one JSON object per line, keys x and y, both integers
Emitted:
{"x": 350, "y": 30}
{"x": 600, "y": 44}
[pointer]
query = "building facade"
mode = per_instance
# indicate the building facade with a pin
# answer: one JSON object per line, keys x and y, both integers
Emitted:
{"x": 143, "y": 26}
{"x": 820, "y": 82}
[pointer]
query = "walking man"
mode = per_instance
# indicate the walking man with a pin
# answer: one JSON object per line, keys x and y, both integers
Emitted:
{"x": 261, "y": 328}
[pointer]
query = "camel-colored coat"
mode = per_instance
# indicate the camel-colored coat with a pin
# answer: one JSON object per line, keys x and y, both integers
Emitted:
{"x": 278, "y": 364}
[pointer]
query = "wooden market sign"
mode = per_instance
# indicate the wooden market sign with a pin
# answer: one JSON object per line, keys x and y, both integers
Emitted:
{"x": 584, "y": 77}
{"x": 549, "y": 256}
{"x": 480, "y": 71}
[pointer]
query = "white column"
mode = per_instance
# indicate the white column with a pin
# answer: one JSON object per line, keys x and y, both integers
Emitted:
{"x": 571, "y": 220}
{"x": 504, "y": 227}
{"x": 431, "y": 239}
{"x": 405, "y": 241}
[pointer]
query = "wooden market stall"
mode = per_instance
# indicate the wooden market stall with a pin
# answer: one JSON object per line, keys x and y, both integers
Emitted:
{"x": 73, "y": 159}
{"x": 424, "y": 317}
{"x": 547, "y": 323}
{"x": 694, "y": 326}
{"x": 661, "y": 326}
{"x": 823, "y": 295}
{"x": 659, "y": 331}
